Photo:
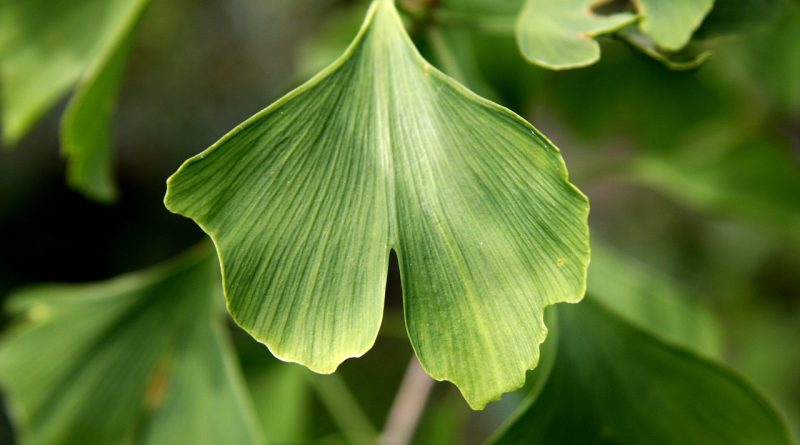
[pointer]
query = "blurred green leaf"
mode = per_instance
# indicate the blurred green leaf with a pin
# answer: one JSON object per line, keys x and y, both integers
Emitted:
{"x": 381, "y": 151}
{"x": 615, "y": 384}
{"x": 493, "y": 7}
{"x": 454, "y": 52}
{"x": 141, "y": 358}
{"x": 756, "y": 180}
{"x": 282, "y": 398}
{"x": 558, "y": 34}
{"x": 670, "y": 23}
{"x": 771, "y": 63}
{"x": 45, "y": 47}
{"x": 86, "y": 126}
{"x": 329, "y": 40}
{"x": 735, "y": 16}
{"x": 686, "y": 59}
{"x": 647, "y": 298}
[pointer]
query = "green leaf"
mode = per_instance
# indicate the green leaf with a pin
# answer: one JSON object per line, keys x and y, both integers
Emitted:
{"x": 287, "y": 387}
{"x": 734, "y": 16}
{"x": 670, "y": 23}
{"x": 687, "y": 59}
{"x": 454, "y": 52}
{"x": 756, "y": 180}
{"x": 651, "y": 300}
{"x": 615, "y": 384}
{"x": 45, "y": 47}
{"x": 381, "y": 151}
{"x": 559, "y": 34}
{"x": 86, "y": 125}
{"x": 142, "y": 358}
{"x": 483, "y": 7}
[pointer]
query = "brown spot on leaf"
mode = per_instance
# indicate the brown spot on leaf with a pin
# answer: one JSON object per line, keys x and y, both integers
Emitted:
{"x": 157, "y": 388}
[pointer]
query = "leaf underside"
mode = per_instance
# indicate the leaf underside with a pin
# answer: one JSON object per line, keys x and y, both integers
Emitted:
{"x": 614, "y": 384}
{"x": 381, "y": 151}
{"x": 137, "y": 359}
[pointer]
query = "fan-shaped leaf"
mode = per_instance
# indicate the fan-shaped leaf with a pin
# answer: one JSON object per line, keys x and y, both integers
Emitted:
{"x": 381, "y": 151}
{"x": 559, "y": 34}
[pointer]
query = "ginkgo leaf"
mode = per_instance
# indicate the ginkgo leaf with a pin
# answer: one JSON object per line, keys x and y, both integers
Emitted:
{"x": 671, "y": 23}
{"x": 381, "y": 151}
{"x": 615, "y": 384}
{"x": 138, "y": 359}
{"x": 45, "y": 48}
{"x": 86, "y": 126}
{"x": 559, "y": 34}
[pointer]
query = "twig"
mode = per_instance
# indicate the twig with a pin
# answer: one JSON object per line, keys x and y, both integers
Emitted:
{"x": 408, "y": 406}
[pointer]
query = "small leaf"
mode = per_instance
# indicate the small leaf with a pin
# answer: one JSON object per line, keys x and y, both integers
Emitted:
{"x": 138, "y": 359}
{"x": 615, "y": 384}
{"x": 670, "y": 23}
{"x": 559, "y": 34}
{"x": 382, "y": 151}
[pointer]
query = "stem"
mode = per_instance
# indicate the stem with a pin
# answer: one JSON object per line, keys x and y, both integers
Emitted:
{"x": 344, "y": 409}
{"x": 408, "y": 406}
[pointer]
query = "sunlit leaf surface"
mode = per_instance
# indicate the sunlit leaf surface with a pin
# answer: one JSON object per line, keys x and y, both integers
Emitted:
{"x": 559, "y": 34}
{"x": 378, "y": 152}
{"x": 670, "y": 23}
{"x": 138, "y": 359}
{"x": 615, "y": 384}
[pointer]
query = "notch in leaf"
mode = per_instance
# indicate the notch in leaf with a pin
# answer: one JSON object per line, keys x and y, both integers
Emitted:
{"x": 381, "y": 151}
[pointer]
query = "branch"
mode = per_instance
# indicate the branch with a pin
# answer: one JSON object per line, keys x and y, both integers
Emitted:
{"x": 408, "y": 406}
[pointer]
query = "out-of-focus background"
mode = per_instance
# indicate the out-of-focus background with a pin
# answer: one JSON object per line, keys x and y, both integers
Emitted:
{"x": 693, "y": 177}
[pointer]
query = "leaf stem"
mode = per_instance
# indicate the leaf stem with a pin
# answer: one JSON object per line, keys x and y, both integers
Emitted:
{"x": 408, "y": 406}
